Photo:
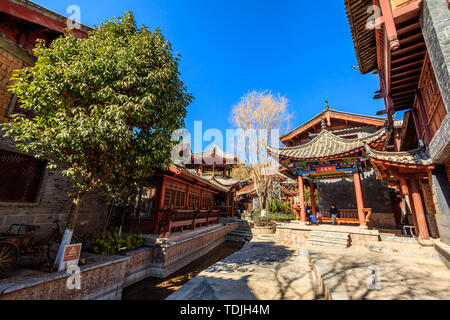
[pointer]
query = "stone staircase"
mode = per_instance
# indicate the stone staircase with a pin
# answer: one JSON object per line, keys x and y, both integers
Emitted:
{"x": 240, "y": 235}
{"x": 341, "y": 239}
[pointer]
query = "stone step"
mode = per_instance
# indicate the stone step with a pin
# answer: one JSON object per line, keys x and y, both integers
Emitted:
{"x": 243, "y": 231}
{"x": 412, "y": 250}
{"x": 322, "y": 241}
{"x": 330, "y": 235}
{"x": 236, "y": 239}
{"x": 398, "y": 239}
{"x": 238, "y": 234}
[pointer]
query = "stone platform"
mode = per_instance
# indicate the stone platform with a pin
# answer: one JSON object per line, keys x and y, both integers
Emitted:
{"x": 291, "y": 234}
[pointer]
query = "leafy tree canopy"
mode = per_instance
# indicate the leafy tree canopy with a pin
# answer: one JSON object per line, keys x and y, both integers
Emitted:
{"x": 104, "y": 105}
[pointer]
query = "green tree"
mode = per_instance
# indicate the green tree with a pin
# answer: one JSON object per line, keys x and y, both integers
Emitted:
{"x": 104, "y": 104}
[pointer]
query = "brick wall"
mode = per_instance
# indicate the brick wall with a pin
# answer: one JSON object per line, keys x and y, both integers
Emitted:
{"x": 342, "y": 194}
{"x": 8, "y": 63}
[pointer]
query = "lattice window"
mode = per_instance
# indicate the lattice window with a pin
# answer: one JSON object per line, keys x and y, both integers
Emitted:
{"x": 194, "y": 200}
{"x": 20, "y": 177}
{"x": 174, "y": 197}
{"x": 207, "y": 202}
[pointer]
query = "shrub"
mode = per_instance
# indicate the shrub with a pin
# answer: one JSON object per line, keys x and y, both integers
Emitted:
{"x": 278, "y": 206}
{"x": 263, "y": 222}
{"x": 109, "y": 242}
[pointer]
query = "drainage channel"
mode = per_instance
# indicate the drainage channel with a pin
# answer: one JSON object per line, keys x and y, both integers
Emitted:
{"x": 159, "y": 289}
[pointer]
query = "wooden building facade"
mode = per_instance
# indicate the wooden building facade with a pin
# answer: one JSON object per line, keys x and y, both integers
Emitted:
{"x": 179, "y": 199}
{"x": 407, "y": 46}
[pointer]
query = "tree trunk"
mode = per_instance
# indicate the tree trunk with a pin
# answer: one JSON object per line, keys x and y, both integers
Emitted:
{"x": 108, "y": 217}
{"x": 68, "y": 232}
{"x": 121, "y": 221}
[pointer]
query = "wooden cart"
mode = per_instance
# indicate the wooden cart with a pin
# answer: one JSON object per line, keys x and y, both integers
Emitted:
{"x": 17, "y": 241}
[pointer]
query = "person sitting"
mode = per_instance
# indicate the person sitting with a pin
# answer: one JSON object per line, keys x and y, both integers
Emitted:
{"x": 311, "y": 218}
{"x": 334, "y": 212}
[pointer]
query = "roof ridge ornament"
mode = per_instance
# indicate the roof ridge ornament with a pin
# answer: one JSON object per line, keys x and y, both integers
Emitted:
{"x": 327, "y": 107}
{"x": 324, "y": 125}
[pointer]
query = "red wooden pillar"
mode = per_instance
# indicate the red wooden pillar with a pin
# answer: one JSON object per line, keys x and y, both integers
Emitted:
{"x": 359, "y": 199}
{"x": 406, "y": 193}
{"x": 232, "y": 204}
{"x": 301, "y": 196}
{"x": 420, "y": 214}
{"x": 313, "y": 199}
{"x": 160, "y": 205}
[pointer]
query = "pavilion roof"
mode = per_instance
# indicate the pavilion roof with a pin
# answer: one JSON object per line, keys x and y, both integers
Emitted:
{"x": 250, "y": 189}
{"x": 327, "y": 145}
{"x": 327, "y": 112}
{"x": 214, "y": 151}
{"x": 181, "y": 170}
{"x": 417, "y": 156}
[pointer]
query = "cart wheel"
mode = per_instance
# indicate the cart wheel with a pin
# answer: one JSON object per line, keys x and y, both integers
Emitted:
{"x": 8, "y": 257}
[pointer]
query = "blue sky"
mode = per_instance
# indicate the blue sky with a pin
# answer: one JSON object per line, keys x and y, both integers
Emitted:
{"x": 300, "y": 49}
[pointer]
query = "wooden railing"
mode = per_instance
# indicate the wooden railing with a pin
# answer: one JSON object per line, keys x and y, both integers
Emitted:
{"x": 343, "y": 213}
{"x": 173, "y": 219}
{"x": 349, "y": 216}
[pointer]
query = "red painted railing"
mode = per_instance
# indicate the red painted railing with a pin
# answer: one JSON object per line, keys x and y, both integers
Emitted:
{"x": 173, "y": 219}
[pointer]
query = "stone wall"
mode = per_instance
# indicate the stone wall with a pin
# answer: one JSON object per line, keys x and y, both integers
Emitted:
{"x": 100, "y": 281}
{"x": 294, "y": 236}
{"x": 163, "y": 257}
{"x": 342, "y": 194}
{"x": 52, "y": 200}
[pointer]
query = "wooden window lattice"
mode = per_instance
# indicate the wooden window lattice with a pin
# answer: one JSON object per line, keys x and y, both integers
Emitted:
{"x": 20, "y": 175}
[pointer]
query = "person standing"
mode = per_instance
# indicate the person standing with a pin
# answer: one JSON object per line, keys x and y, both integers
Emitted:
{"x": 334, "y": 212}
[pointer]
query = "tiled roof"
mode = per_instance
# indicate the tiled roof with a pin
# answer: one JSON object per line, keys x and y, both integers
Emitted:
{"x": 213, "y": 149}
{"x": 226, "y": 181}
{"x": 201, "y": 178}
{"x": 345, "y": 131}
{"x": 326, "y": 144}
{"x": 246, "y": 190}
{"x": 415, "y": 157}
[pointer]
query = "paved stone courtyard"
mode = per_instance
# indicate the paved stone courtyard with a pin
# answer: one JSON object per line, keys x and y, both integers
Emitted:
{"x": 265, "y": 270}
{"x": 260, "y": 271}
{"x": 346, "y": 271}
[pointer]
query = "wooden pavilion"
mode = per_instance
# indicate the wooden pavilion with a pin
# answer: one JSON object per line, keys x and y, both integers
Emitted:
{"x": 211, "y": 160}
{"x": 329, "y": 156}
